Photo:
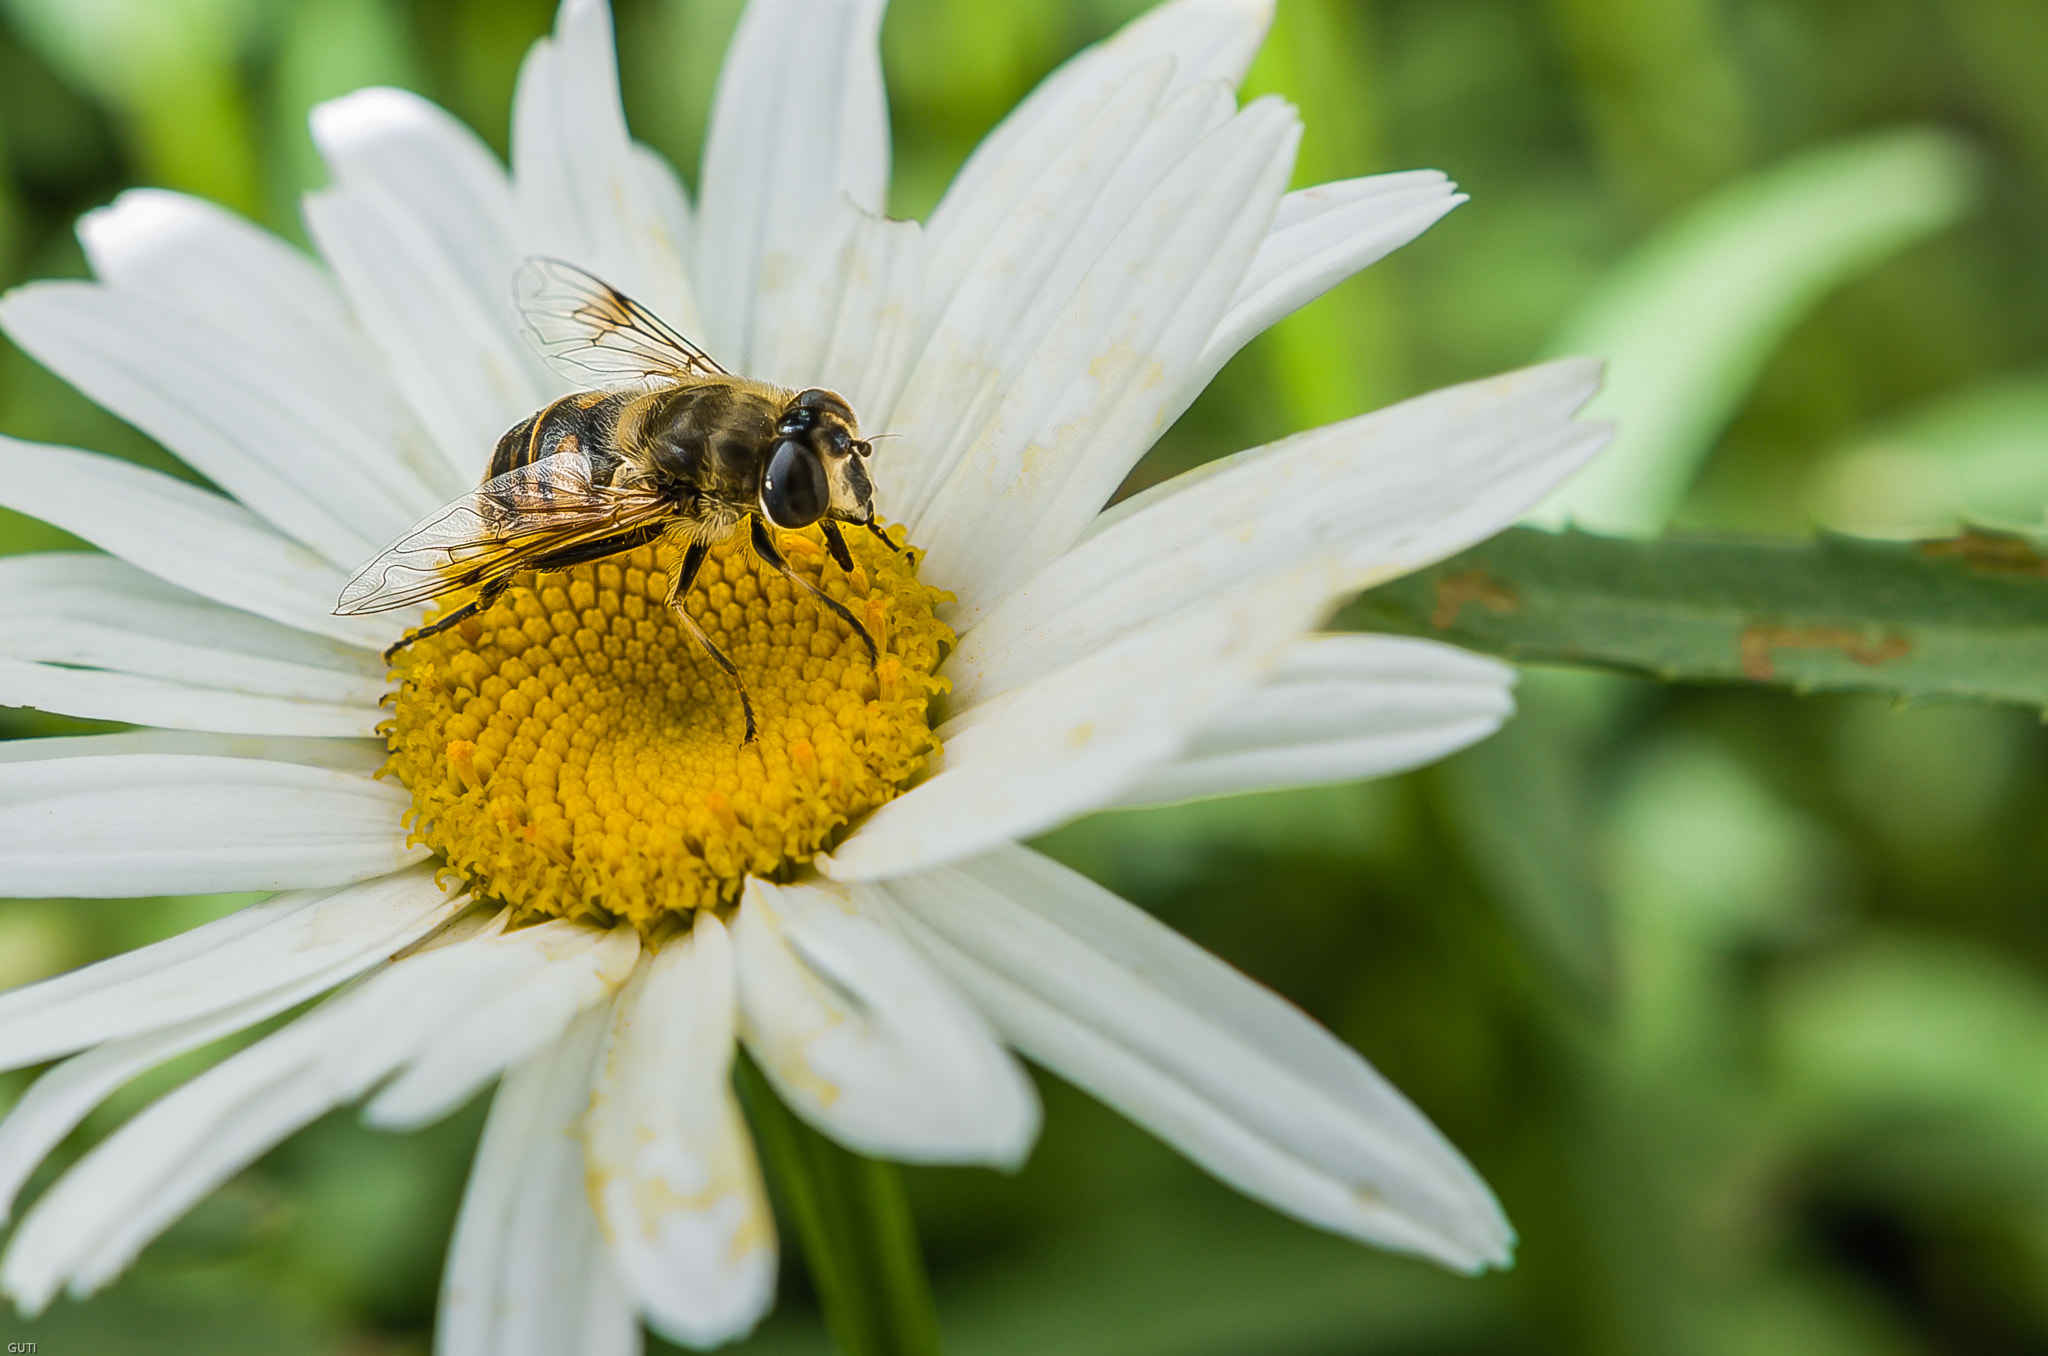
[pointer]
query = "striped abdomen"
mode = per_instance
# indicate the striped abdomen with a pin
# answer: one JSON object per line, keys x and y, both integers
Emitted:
{"x": 585, "y": 423}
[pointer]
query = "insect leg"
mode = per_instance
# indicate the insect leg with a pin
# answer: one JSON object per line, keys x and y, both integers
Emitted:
{"x": 493, "y": 589}
{"x": 764, "y": 547}
{"x": 693, "y": 561}
{"x": 836, "y": 544}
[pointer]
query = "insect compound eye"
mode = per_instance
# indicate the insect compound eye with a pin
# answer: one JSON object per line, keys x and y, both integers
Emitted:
{"x": 794, "y": 493}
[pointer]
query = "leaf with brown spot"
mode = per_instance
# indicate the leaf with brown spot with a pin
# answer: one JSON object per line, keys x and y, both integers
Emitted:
{"x": 1963, "y": 618}
{"x": 1453, "y": 591}
{"x": 1999, "y": 552}
{"x": 1759, "y": 641}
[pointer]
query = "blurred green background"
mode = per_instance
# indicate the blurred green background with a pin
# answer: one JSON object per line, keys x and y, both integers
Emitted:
{"x": 1739, "y": 1000}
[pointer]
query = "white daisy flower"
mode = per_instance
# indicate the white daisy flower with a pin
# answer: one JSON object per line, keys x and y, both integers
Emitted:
{"x": 571, "y": 870}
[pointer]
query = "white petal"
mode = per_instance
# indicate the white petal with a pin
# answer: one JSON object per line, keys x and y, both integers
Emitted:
{"x": 92, "y": 1223}
{"x": 1224, "y": 1070}
{"x": 84, "y": 587}
{"x": 112, "y": 826}
{"x": 1338, "y": 709}
{"x": 584, "y": 191}
{"x": 280, "y": 942}
{"x": 396, "y": 146}
{"x": 359, "y": 756}
{"x": 798, "y": 120}
{"x": 671, "y": 1170}
{"x": 989, "y": 322}
{"x": 527, "y": 1273}
{"x": 1208, "y": 39}
{"x": 58, "y": 1243}
{"x": 98, "y": 695}
{"x": 847, "y": 317}
{"x": 1091, "y": 398}
{"x": 201, "y": 259}
{"x": 181, "y": 533}
{"x": 665, "y": 197}
{"x": 88, "y": 635}
{"x": 579, "y": 968}
{"x": 87, "y": 1227}
{"x": 1375, "y": 496}
{"x": 1078, "y": 738}
{"x": 1320, "y": 236}
{"x": 285, "y": 450}
{"x": 427, "y": 1010}
{"x": 422, "y": 233}
{"x": 142, "y": 962}
{"x": 1205, "y": 40}
{"x": 862, "y": 1040}
{"x": 56, "y": 1103}
{"x": 239, "y": 280}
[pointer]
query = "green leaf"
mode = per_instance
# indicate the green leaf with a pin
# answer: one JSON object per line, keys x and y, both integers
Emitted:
{"x": 1964, "y": 617}
{"x": 1688, "y": 320}
{"x": 853, "y": 1222}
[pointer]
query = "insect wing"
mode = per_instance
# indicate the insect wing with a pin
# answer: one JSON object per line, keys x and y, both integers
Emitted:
{"x": 591, "y": 332}
{"x": 499, "y": 527}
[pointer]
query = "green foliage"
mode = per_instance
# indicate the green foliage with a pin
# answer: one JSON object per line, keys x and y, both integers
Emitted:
{"x": 170, "y": 68}
{"x": 851, "y": 1217}
{"x": 1688, "y": 320}
{"x": 1523, "y": 807}
{"x": 1963, "y": 617}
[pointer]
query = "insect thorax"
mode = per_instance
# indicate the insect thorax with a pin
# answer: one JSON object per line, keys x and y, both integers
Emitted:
{"x": 702, "y": 441}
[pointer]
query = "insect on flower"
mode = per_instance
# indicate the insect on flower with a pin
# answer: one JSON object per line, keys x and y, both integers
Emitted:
{"x": 687, "y": 450}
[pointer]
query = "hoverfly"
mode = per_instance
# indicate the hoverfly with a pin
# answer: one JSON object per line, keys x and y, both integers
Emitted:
{"x": 688, "y": 451}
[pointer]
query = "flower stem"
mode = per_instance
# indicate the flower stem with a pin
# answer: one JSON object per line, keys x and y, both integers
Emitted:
{"x": 853, "y": 1222}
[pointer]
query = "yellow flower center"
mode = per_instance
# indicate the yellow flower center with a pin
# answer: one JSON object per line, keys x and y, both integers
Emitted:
{"x": 573, "y": 753}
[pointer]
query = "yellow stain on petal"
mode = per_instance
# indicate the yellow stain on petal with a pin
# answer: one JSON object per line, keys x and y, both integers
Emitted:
{"x": 573, "y": 753}
{"x": 648, "y": 1198}
{"x": 1111, "y": 364}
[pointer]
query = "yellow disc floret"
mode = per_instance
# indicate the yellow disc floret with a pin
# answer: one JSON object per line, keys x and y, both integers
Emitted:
{"x": 572, "y": 752}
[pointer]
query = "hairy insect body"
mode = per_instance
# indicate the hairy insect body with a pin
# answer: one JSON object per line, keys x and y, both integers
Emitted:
{"x": 691, "y": 452}
{"x": 704, "y": 446}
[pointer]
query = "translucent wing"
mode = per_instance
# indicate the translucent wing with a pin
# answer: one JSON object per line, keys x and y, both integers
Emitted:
{"x": 593, "y": 333}
{"x": 502, "y": 526}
